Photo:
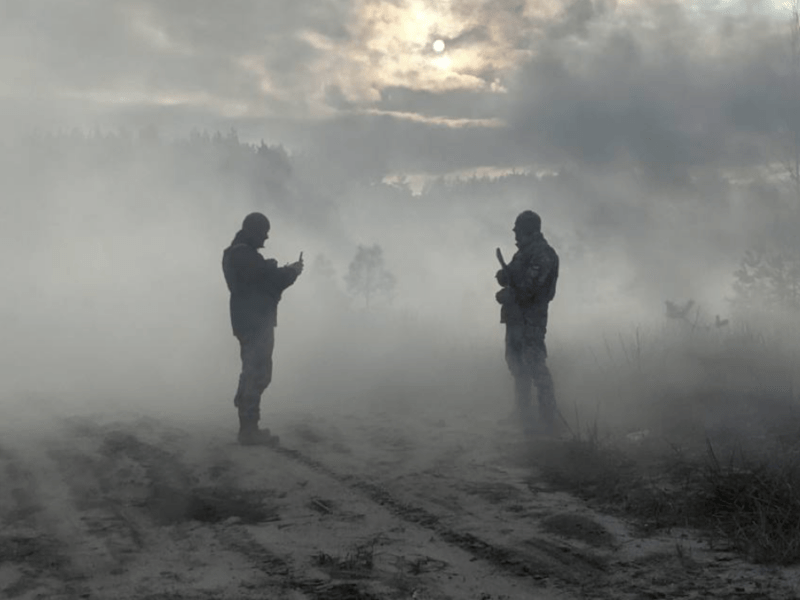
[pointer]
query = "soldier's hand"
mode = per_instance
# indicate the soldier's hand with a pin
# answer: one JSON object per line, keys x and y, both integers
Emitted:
{"x": 502, "y": 277}
{"x": 297, "y": 266}
{"x": 505, "y": 296}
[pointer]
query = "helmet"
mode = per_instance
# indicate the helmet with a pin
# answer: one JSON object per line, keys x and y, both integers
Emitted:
{"x": 255, "y": 224}
{"x": 528, "y": 222}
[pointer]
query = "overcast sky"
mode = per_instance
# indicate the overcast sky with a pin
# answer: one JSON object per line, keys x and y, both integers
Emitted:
{"x": 513, "y": 83}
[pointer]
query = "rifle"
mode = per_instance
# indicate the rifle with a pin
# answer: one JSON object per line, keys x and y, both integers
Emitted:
{"x": 503, "y": 264}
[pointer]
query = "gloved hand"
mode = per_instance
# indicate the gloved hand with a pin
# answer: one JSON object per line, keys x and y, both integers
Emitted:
{"x": 502, "y": 277}
{"x": 505, "y": 296}
{"x": 297, "y": 266}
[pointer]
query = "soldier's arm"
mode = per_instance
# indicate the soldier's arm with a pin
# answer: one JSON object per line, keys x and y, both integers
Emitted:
{"x": 548, "y": 264}
{"x": 251, "y": 268}
{"x": 283, "y": 277}
{"x": 255, "y": 271}
{"x": 535, "y": 276}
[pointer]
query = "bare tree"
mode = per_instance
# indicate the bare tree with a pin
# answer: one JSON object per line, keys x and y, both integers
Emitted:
{"x": 367, "y": 275}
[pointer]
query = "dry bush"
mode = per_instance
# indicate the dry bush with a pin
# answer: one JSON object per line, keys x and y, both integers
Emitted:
{"x": 754, "y": 504}
{"x": 668, "y": 404}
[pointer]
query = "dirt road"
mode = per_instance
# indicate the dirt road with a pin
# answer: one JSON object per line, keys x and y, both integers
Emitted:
{"x": 357, "y": 504}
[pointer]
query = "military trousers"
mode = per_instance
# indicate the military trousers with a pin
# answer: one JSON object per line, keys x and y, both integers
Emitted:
{"x": 256, "y": 352}
{"x": 526, "y": 357}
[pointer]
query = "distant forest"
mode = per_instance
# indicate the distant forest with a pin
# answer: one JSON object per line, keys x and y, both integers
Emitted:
{"x": 751, "y": 223}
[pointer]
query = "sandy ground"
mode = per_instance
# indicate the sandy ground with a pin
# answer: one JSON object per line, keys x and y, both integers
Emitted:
{"x": 379, "y": 501}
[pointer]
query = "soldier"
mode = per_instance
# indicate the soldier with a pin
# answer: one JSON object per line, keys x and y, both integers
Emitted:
{"x": 529, "y": 284}
{"x": 256, "y": 285}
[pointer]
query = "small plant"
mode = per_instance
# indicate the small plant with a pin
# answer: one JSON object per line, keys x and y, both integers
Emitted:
{"x": 358, "y": 563}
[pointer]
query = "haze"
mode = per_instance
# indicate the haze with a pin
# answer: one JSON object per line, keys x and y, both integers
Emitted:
{"x": 649, "y": 135}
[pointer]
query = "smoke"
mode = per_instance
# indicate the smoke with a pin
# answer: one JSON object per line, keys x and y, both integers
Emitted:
{"x": 628, "y": 122}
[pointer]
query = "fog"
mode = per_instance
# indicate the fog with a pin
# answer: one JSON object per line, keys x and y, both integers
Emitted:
{"x": 648, "y": 136}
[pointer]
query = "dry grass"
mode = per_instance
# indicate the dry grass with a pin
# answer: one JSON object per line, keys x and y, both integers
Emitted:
{"x": 752, "y": 503}
{"x": 756, "y": 505}
{"x": 358, "y": 563}
{"x": 719, "y": 448}
{"x": 637, "y": 486}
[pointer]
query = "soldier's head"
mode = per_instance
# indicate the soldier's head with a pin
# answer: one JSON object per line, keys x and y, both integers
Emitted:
{"x": 527, "y": 224}
{"x": 256, "y": 228}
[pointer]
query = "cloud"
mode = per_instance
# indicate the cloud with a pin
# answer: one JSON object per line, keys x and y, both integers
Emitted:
{"x": 275, "y": 58}
{"x": 457, "y": 104}
{"x": 253, "y": 53}
{"x": 654, "y": 89}
{"x": 659, "y": 88}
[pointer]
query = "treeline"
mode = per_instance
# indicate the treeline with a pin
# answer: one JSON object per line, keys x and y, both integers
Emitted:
{"x": 218, "y": 168}
{"x": 269, "y": 167}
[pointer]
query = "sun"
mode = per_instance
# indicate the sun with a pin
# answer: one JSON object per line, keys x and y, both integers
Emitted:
{"x": 438, "y": 46}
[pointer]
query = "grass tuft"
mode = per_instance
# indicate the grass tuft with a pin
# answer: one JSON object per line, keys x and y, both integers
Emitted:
{"x": 756, "y": 505}
{"x": 753, "y": 505}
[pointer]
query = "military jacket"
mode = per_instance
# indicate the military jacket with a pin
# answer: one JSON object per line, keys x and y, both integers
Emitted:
{"x": 530, "y": 280}
{"x": 256, "y": 285}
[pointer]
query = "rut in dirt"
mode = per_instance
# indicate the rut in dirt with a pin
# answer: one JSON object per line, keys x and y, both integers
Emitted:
{"x": 26, "y": 544}
{"x": 158, "y": 482}
{"x": 167, "y": 492}
{"x": 539, "y": 560}
{"x": 122, "y": 485}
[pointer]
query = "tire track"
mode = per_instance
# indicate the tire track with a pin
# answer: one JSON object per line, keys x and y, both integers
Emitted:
{"x": 31, "y": 548}
{"x": 172, "y": 498}
{"x": 165, "y": 492}
{"x": 539, "y": 561}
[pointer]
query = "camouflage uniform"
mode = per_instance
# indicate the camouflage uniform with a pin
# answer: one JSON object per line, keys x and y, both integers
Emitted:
{"x": 529, "y": 284}
{"x": 256, "y": 285}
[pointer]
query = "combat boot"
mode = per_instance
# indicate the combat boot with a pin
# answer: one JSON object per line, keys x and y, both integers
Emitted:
{"x": 251, "y": 435}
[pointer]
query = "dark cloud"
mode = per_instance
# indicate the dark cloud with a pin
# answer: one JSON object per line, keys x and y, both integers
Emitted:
{"x": 574, "y": 20}
{"x": 640, "y": 97}
{"x": 242, "y": 49}
{"x": 660, "y": 92}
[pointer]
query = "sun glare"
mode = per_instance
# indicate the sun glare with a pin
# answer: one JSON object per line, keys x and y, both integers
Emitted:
{"x": 438, "y": 46}
{"x": 444, "y": 63}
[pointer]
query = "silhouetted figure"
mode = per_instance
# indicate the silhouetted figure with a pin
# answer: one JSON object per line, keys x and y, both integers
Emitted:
{"x": 529, "y": 284}
{"x": 256, "y": 285}
{"x": 720, "y": 322}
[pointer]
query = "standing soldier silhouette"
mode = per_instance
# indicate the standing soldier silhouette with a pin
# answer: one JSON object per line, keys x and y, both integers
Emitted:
{"x": 529, "y": 284}
{"x": 256, "y": 285}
